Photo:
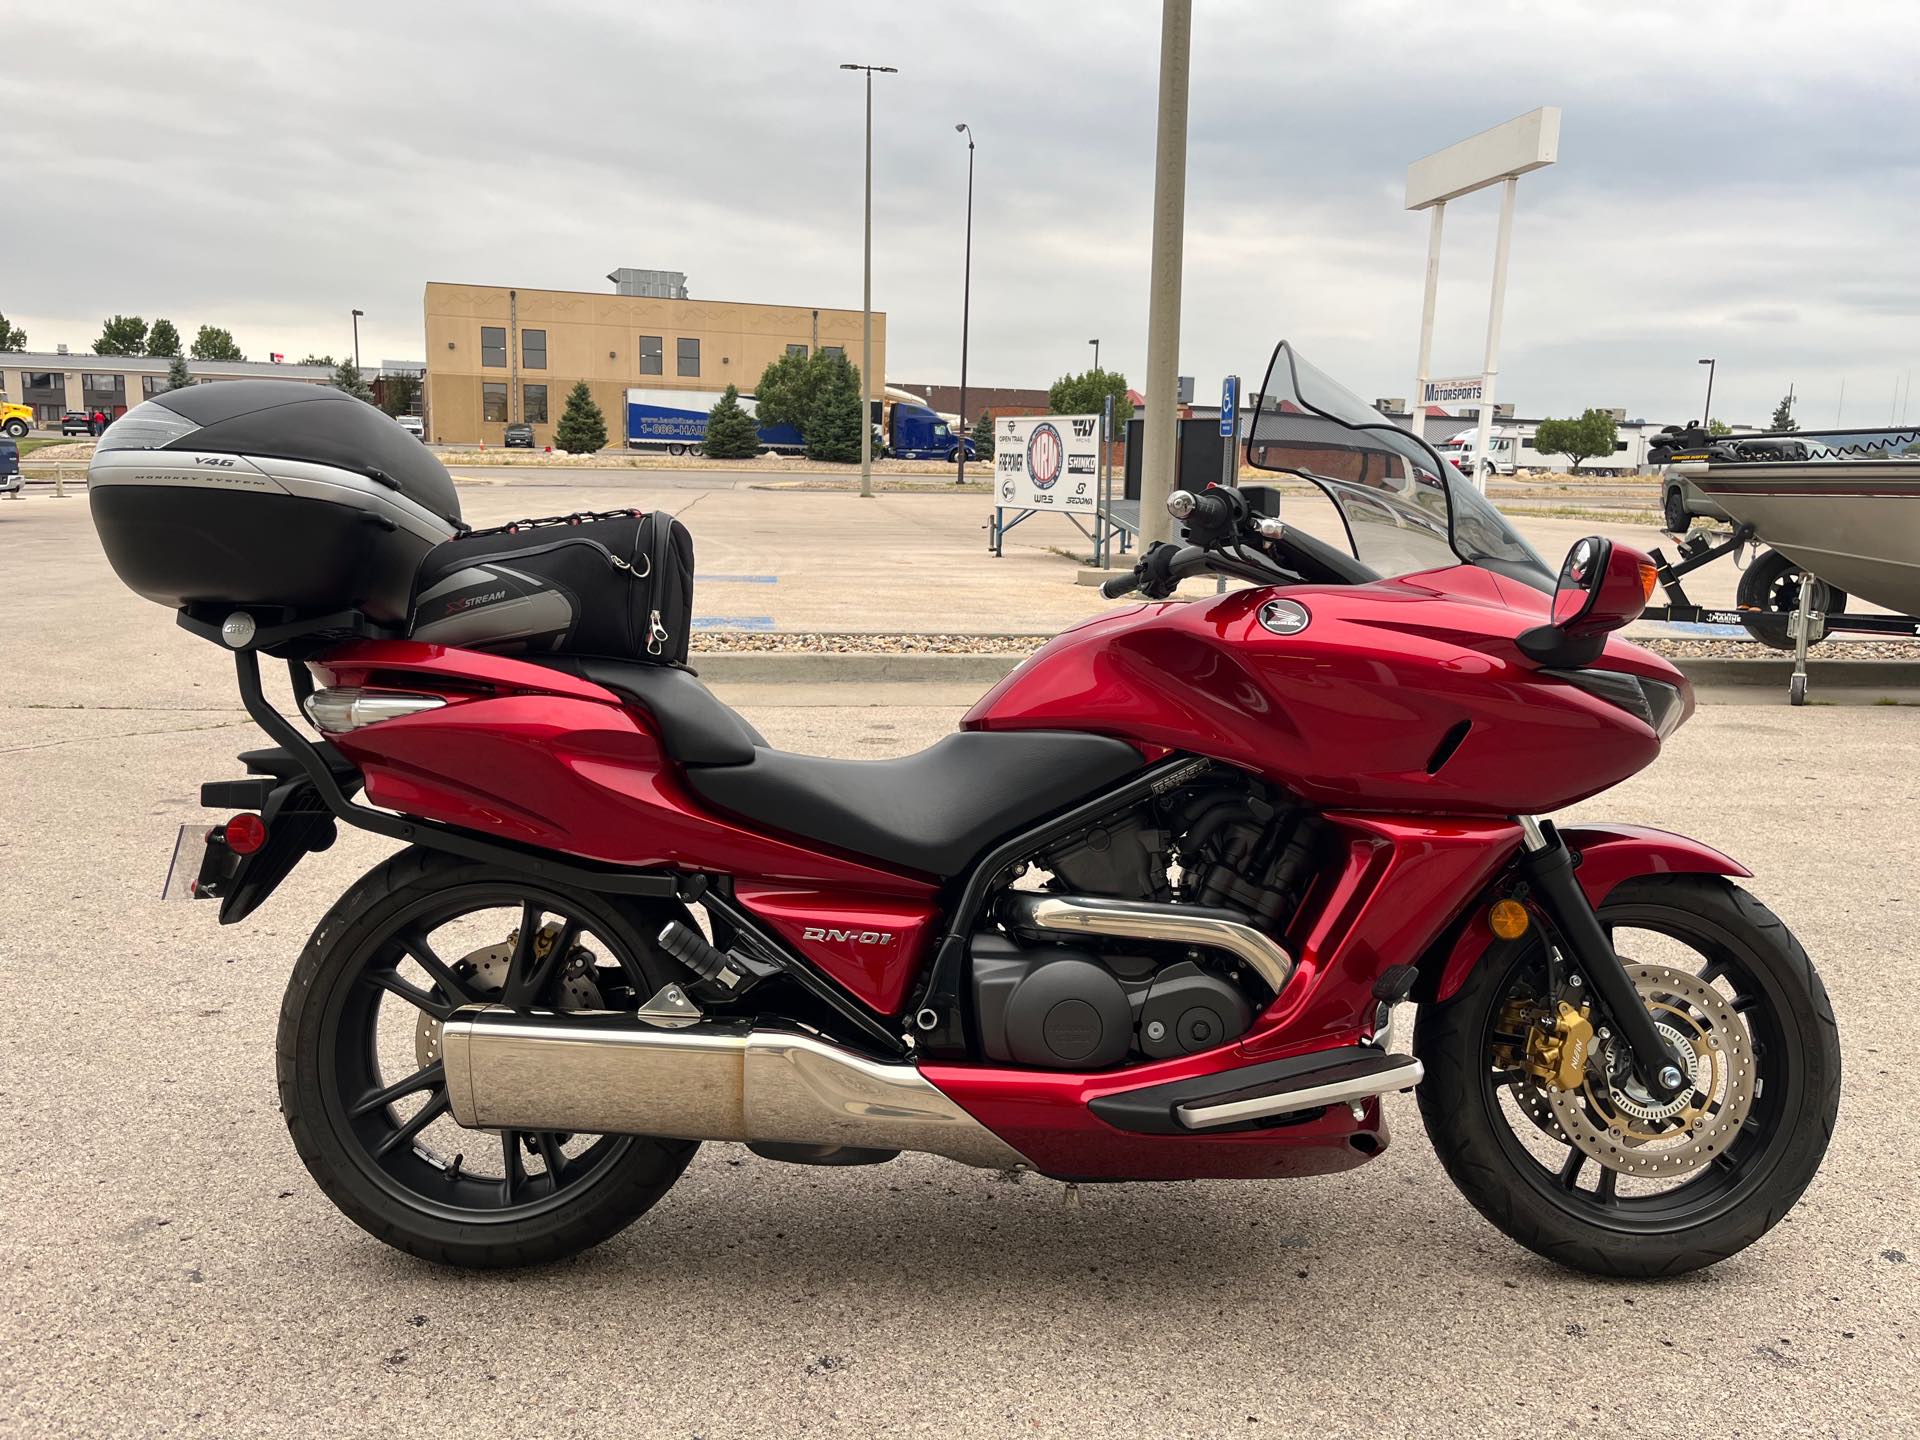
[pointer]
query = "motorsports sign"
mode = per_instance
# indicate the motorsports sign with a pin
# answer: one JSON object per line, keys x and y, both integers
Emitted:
{"x": 1047, "y": 462}
{"x": 1468, "y": 389}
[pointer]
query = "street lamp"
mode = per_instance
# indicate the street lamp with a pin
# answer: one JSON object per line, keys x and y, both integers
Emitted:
{"x": 1706, "y": 420}
{"x": 966, "y": 305}
{"x": 356, "y": 337}
{"x": 1096, "y": 353}
{"x": 866, "y": 299}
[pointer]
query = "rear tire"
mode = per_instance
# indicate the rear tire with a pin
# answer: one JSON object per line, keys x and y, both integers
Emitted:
{"x": 406, "y": 1196}
{"x": 1674, "y": 512}
{"x": 1716, "y": 1211}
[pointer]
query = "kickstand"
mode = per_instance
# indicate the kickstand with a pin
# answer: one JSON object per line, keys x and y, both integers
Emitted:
{"x": 1801, "y": 626}
{"x": 1070, "y": 1197}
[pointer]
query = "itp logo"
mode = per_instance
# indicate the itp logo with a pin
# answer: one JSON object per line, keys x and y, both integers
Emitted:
{"x": 1046, "y": 452}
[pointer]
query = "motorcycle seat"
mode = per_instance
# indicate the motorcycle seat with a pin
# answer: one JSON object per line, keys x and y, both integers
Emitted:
{"x": 935, "y": 811}
{"x": 696, "y": 726}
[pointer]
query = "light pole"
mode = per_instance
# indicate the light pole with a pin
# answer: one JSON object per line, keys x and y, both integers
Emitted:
{"x": 1096, "y": 354}
{"x": 1706, "y": 420}
{"x": 866, "y": 299}
{"x": 966, "y": 306}
{"x": 1163, "y": 304}
{"x": 356, "y": 337}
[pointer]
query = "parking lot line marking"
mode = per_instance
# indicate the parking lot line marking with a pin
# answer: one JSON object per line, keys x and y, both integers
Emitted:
{"x": 733, "y": 622}
{"x": 743, "y": 579}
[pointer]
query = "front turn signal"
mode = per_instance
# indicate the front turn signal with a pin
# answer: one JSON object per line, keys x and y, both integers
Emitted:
{"x": 1508, "y": 919}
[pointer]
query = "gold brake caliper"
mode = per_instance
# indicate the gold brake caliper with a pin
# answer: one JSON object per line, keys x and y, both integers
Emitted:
{"x": 1558, "y": 1057}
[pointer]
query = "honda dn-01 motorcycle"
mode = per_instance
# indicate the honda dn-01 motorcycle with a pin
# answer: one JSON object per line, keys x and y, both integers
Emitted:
{"x": 1146, "y": 916}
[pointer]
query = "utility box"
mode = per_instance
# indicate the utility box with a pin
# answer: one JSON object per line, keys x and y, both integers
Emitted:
{"x": 1197, "y": 454}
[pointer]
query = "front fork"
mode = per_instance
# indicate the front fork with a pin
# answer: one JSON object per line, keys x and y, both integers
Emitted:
{"x": 1547, "y": 866}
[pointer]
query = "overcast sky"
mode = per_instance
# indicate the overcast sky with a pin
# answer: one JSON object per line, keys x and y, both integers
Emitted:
{"x": 1736, "y": 178}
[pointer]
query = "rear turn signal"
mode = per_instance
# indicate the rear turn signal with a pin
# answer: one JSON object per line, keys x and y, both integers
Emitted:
{"x": 244, "y": 834}
{"x": 1508, "y": 919}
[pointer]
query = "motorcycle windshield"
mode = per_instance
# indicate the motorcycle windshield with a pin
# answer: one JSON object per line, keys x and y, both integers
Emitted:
{"x": 1404, "y": 509}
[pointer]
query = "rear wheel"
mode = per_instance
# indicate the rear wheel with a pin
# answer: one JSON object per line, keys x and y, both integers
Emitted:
{"x": 1770, "y": 586}
{"x": 1597, "y": 1174}
{"x": 361, "y": 1084}
{"x": 1674, "y": 511}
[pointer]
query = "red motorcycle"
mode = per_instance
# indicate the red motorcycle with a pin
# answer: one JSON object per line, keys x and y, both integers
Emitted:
{"x": 1147, "y": 916}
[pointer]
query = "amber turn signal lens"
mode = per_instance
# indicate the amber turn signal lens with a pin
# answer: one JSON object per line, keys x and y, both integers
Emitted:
{"x": 1508, "y": 919}
{"x": 1649, "y": 577}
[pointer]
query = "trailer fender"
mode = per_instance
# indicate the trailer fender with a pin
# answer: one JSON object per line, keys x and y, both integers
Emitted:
{"x": 1608, "y": 855}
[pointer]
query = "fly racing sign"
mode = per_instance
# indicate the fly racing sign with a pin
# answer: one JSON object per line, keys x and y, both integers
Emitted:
{"x": 1047, "y": 462}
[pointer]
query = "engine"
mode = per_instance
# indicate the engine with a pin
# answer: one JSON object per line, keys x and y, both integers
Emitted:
{"x": 1230, "y": 853}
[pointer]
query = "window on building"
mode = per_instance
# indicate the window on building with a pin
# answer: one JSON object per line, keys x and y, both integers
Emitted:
{"x": 687, "y": 352}
{"x": 104, "y": 392}
{"x": 493, "y": 402}
{"x": 652, "y": 356}
{"x": 839, "y": 352}
{"x": 796, "y": 349}
{"x": 533, "y": 349}
{"x": 493, "y": 346}
{"x": 46, "y": 392}
{"x": 152, "y": 385}
{"x": 533, "y": 404}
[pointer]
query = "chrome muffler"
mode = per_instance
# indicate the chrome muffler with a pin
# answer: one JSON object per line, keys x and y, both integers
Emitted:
{"x": 1216, "y": 929}
{"x": 607, "y": 1072}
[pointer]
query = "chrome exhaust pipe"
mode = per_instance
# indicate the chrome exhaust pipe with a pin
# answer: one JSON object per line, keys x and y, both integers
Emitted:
{"x": 1215, "y": 929}
{"x": 606, "y": 1072}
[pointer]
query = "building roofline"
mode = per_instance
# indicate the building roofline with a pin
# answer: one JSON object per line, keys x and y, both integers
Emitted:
{"x": 156, "y": 365}
{"x": 656, "y": 299}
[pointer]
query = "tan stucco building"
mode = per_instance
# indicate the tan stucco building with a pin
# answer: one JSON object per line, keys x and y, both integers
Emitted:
{"x": 498, "y": 354}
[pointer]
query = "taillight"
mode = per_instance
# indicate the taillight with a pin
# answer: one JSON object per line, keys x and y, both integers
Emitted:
{"x": 346, "y": 708}
{"x": 244, "y": 834}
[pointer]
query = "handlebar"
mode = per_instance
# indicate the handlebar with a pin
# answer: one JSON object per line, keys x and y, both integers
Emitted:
{"x": 1120, "y": 585}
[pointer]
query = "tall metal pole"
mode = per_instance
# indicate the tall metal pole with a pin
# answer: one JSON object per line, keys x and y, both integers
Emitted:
{"x": 356, "y": 337}
{"x": 866, "y": 299}
{"x": 1483, "y": 438}
{"x": 966, "y": 309}
{"x": 1417, "y": 421}
{"x": 1096, "y": 354}
{"x": 1163, "y": 309}
{"x": 1706, "y": 420}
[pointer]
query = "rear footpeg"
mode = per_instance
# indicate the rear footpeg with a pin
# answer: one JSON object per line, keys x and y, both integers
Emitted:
{"x": 1299, "y": 1084}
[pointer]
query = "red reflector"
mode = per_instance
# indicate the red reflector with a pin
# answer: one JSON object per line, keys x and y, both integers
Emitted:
{"x": 245, "y": 834}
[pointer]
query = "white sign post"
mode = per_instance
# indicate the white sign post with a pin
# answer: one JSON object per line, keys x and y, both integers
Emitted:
{"x": 1497, "y": 156}
{"x": 1045, "y": 463}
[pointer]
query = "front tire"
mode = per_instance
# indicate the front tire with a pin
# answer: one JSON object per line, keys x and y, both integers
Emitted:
{"x": 1679, "y": 520}
{"x": 1513, "y": 1160}
{"x": 358, "y": 1063}
{"x": 16, "y": 429}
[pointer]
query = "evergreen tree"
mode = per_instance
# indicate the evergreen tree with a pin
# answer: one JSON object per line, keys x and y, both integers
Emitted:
{"x": 178, "y": 377}
{"x": 731, "y": 432}
{"x": 346, "y": 376}
{"x": 397, "y": 394}
{"x": 163, "y": 339}
{"x": 983, "y": 436}
{"x": 833, "y": 429}
{"x": 582, "y": 428}
{"x": 122, "y": 335}
{"x": 1783, "y": 413}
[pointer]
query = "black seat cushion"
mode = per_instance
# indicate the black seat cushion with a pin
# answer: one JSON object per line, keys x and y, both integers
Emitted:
{"x": 935, "y": 811}
{"x": 696, "y": 726}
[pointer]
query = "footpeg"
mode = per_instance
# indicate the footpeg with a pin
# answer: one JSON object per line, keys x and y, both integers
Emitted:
{"x": 725, "y": 973}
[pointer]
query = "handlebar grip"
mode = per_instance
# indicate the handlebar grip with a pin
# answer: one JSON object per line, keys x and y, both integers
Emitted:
{"x": 1120, "y": 585}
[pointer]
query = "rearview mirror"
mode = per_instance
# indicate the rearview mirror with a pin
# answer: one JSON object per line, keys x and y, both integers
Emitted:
{"x": 1602, "y": 587}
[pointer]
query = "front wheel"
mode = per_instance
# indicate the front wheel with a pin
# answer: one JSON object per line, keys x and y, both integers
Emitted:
{"x": 1679, "y": 520}
{"x": 17, "y": 428}
{"x": 361, "y": 1083}
{"x": 1581, "y": 1164}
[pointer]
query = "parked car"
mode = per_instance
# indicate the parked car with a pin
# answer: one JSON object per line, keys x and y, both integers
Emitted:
{"x": 1681, "y": 500}
{"x": 415, "y": 427}
{"x": 519, "y": 436}
{"x": 76, "y": 422}
{"x": 15, "y": 420}
{"x": 9, "y": 468}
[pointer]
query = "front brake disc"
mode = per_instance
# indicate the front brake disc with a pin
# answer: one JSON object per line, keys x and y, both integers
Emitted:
{"x": 1617, "y": 1122}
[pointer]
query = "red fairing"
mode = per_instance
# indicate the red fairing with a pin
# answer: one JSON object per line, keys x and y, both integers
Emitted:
{"x": 1609, "y": 854}
{"x": 873, "y": 946}
{"x": 528, "y": 754}
{"x": 1403, "y": 694}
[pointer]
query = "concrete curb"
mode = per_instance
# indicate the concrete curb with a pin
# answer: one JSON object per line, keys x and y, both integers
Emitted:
{"x": 774, "y": 667}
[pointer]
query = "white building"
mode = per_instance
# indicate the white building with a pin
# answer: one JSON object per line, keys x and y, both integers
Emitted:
{"x": 58, "y": 382}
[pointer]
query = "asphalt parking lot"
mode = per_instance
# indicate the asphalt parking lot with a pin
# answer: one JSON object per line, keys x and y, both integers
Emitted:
{"x": 168, "y": 1268}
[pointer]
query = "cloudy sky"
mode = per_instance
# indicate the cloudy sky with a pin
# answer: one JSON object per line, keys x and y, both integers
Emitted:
{"x": 1737, "y": 178}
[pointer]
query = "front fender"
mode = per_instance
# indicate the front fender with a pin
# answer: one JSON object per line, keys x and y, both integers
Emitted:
{"x": 1609, "y": 855}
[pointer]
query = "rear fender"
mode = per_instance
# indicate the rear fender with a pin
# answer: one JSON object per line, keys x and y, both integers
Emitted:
{"x": 1608, "y": 855}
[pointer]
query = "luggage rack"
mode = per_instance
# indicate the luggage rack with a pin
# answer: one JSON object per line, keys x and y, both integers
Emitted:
{"x": 1802, "y": 626}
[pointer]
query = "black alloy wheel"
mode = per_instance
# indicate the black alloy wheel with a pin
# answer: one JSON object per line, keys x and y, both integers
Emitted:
{"x": 1771, "y": 586}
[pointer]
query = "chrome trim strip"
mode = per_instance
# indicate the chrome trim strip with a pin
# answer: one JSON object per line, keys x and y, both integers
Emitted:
{"x": 1148, "y": 920}
{"x": 1312, "y": 1097}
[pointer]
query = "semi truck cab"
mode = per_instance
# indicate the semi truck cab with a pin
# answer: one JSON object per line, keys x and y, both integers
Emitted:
{"x": 916, "y": 432}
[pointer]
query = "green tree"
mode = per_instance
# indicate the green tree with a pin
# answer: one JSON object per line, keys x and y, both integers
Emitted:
{"x": 163, "y": 339}
{"x": 326, "y": 360}
{"x": 11, "y": 336}
{"x": 788, "y": 388}
{"x": 397, "y": 394}
{"x": 833, "y": 428}
{"x": 1783, "y": 413}
{"x": 1719, "y": 427}
{"x": 731, "y": 432}
{"x": 1594, "y": 433}
{"x": 122, "y": 335}
{"x": 346, "y": 376}
{"x": 213, "y": 343}
{"x": 1086, "y": 394}
{"x": 178, "y": 377}
{"x": 582, "y": 428}
{"x": 983, "y": 436}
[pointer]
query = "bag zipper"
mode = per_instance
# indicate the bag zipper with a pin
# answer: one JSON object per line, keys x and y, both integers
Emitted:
{"x": 658, "y": 634}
